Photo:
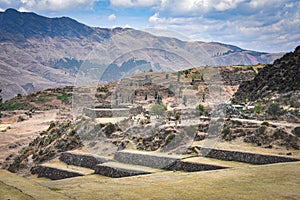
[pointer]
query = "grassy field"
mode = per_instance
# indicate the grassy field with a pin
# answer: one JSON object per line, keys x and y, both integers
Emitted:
{"x": 15, "y": 187}
{"x": 277, "y": 181}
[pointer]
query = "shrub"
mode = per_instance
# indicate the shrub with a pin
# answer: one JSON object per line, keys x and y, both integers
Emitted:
{"x": 265, "y": 124}
{"x": 63, "y": 96}
{"x": 157, "y": 110}
{"x": 13, "y": 106}
{"x": 296, "y": 131}
{"x": 274, "y": 109}
{"x": 109, "y": 129}
{"x": 295, "y": 102}
{"x": 225, "y": 131}
{"x": 200, "y": 110}
{"x": 40, "y": 99}
{"x": 177, "y": 116}
{"x": 261, "y": 130}
{"x": 258, "y": 108}
{"x": 103, "y": 89}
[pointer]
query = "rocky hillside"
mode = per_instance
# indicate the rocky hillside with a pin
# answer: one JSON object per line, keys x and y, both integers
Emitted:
{"x": 140, "y": 89}
{"x": 282, "y": 77}
{"x": 183, "y": 95}
{"x": 39, "y": 52}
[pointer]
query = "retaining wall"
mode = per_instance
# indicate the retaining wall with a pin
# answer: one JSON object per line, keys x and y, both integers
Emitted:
{"x": 194, "y": 167}
{"x": 82, "y": 160}
{"x": 246, "y": 157}
{"x": 53, "y": 173}
{"x": 106, "y": 112}
{"x": 115, "y": 172}
{"x": 149, "y": 160}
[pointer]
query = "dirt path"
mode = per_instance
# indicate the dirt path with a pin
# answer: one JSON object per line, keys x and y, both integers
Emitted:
{"x": 19, "y": 134}
{"x": 276, "y": 123}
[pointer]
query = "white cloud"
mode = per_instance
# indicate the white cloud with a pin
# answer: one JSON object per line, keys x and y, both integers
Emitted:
{"x": 8, "y": 2}
{"x": 22, "y": 9}
{"x": 154, "y": 18}
{"x": 263, "y": 3}
{"x": 48, "y": 5}
{"x": 227, "y": 5}
{"x": 251, "y": 24}
{"x": 134, "y": 3}
{"x": 112, "y": 17}
{"x": 127, "y": 26}
{"x": 197, "y": 7}
{"x": 255, "y": 24}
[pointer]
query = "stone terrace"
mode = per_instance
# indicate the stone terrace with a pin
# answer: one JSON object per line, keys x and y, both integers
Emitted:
{"x": 131, "y": 163}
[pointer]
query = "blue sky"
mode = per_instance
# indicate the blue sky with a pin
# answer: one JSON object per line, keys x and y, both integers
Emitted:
{"x": 262, "y": 25}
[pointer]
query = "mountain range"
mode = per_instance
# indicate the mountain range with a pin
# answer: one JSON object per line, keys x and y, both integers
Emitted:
{"x": 37, "y": 52}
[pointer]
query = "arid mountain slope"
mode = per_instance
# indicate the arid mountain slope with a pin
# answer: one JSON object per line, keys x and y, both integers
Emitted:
{"x": 37, "y": 52}
{"x": 279, "y": 78}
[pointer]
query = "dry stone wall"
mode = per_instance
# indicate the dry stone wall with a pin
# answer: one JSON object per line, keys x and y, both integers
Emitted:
{"x": 246, "y": 157}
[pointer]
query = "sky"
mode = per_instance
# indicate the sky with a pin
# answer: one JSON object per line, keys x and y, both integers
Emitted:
{"x": 261, "y": 25}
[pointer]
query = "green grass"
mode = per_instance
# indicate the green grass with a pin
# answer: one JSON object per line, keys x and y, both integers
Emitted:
{"x": 41, "y": 99}
{"x": 64, "y": 96}
{"x": 13, "y": 106}
{"x": 278, "y": 181}
{"x": 9, "y": 192}
{"x": 16, "y": 187}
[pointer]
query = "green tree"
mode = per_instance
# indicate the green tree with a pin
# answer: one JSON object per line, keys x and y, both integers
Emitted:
{"x": 157, "y": 110}
{"x": 200, "y": 110}
{"x": 258, "y": 108}
{"x": 177, "y": 115}
{"x": 186, "y": 72}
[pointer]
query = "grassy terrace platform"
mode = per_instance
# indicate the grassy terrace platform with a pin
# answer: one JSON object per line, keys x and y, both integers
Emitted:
{"x": 149, "y": 159}
{"x": 58, "y": 170}
{"x": 275, "y": 181}
{"x": 216, "y": 162}
{"x": 83, "y": 159}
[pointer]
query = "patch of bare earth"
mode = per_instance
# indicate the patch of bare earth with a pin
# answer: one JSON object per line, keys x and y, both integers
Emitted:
{"x": 15, "y": 135}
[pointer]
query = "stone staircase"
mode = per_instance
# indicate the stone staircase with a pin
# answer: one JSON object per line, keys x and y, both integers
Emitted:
{"x": 132, "y": 162}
